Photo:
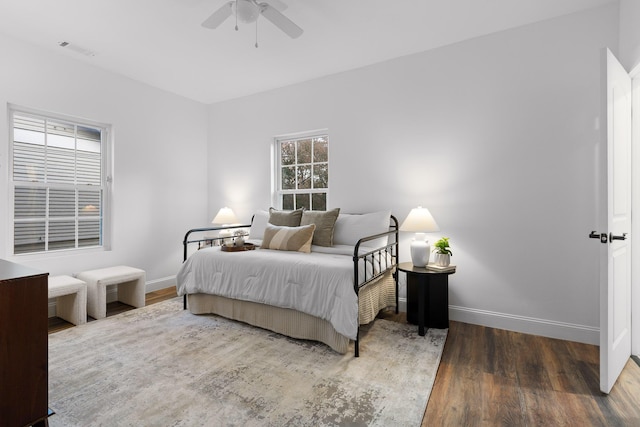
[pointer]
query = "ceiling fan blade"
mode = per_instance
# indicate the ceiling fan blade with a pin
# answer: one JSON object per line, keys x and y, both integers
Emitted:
{"x": 278, "y": 4}
{"x": 219, "y": 16}
{"x": 281, "y": 21}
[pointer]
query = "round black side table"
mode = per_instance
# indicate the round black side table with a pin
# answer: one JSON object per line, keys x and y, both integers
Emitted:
{"x": 427, "y": 296}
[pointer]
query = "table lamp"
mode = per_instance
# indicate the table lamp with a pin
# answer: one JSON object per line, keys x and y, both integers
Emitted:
{"x": 420, "y": 221}
{"x": 225, "y": 217}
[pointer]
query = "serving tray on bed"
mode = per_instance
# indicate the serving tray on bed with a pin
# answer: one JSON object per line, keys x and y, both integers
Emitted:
{"x": 246, "y": 247}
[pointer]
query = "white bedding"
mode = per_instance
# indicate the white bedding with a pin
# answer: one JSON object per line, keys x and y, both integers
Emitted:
{"x": 319, "y": 284}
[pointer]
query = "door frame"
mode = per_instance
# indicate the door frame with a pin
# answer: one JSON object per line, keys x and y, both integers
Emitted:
{"x": 635, "y": 211}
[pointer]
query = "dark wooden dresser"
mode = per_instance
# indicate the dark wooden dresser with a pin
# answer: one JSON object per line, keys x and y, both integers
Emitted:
{"x": 23, "y": 346}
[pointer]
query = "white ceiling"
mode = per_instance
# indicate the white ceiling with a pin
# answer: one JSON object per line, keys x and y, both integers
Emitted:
{"x": 161, "y": 42}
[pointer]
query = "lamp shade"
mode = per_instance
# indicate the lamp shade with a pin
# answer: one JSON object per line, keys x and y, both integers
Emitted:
{"x": 225, "y": 216}
{"x": 420, "y": 220}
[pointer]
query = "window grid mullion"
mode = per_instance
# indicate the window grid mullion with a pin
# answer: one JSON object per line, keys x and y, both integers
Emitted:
{"x": 46, "y": 219}
{"x": 46, "y": 151}
{"x": 76, "y": 216}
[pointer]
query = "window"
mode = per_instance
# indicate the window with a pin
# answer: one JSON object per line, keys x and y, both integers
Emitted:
{"x": 302, "y": 170}
{"x": 58, "y": 180}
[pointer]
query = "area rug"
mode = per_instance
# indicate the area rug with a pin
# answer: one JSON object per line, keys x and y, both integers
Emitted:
{"x": 163, "y": 366}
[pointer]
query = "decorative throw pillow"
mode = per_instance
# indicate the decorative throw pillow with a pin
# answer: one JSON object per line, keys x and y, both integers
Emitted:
{"x": 285, "y": 238}
{"x": 324, "y": 221}
{"x": 350, "y": 228}
{"x": 286, "y": 218}
{"x": 259, "y": 223}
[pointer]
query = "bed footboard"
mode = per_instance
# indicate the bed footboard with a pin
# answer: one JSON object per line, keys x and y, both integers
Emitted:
{"x": 386, "y": 257}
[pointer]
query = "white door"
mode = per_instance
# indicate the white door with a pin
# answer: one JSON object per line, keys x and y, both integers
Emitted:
{"x": 615, "y": 277}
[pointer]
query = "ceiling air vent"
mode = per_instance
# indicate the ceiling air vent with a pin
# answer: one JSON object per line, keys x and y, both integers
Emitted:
{"x": 76, "y": 49}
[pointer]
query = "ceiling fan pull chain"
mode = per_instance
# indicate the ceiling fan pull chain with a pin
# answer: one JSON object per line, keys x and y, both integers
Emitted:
{"x": 256, "y": 33}
{"x": 236, "y": 15}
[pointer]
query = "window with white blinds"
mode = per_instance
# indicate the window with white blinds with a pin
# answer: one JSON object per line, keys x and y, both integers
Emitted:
{"x": 58, "y": 177}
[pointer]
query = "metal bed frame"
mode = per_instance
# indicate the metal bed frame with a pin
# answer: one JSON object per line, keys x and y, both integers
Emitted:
{"x": 386, "y": 255}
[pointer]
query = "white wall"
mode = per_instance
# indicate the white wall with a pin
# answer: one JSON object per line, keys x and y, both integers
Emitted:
{"x": 159, "y": 188}
{"x": 629, "y": 33}
{"x": 496, "y": 136}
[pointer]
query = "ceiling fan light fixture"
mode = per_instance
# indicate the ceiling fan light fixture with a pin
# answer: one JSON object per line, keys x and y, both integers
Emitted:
{"x": 246, "y": 11}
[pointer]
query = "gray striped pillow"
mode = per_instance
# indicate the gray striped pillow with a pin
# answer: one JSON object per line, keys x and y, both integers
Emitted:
{"x": 284, "y": 238}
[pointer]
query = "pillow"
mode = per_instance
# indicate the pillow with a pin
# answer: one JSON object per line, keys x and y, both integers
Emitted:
{"x": 351, "y": 228}
{"x": 259, "y": 223}
{"x": 284, "y": 238}
{"x": 286, "y": 218}
{"x": 324, "y": 221}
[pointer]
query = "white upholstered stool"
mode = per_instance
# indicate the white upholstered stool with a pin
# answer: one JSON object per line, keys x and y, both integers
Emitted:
{"x": 71, "y": 298}
{"x": 131, "y": 287}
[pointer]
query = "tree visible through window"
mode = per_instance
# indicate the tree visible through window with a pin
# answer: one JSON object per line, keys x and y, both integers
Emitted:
{"x": 58, "y": 183}
{"x": 303, "y": 172}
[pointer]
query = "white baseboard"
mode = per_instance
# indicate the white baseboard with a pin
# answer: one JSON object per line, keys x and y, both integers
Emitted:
{"x": 112, "y": 291}
{"x": 522, "y": 324}
{"x": 510, "y": 322}
{"x": 162, "y": 283}
{"x": 526, "y": 325}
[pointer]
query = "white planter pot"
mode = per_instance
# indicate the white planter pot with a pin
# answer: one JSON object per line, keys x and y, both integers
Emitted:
{"x": 442, "y": 260}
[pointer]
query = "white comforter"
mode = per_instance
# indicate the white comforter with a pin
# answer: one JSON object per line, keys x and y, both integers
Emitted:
{"x": 319, "y": 284}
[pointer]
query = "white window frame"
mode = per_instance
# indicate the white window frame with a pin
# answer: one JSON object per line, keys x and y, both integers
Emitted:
{"x": 276, "y": 187}
{"x": 105, "y": 181}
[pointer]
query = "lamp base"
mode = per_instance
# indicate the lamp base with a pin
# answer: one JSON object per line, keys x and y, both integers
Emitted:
{"x": 420, "y": 250}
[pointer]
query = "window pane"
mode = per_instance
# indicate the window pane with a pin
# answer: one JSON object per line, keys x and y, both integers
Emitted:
{"x": 61, "y": 165}
{"x": 88, "y": 155}
{"x": 319, "y": 201}
{"x": 89, "y": 233}
{"x": 61, "y": 158}
{"x": 321, "y": 176}
{"x": 89, "y": 203}
{"x": 320, "y": 150}
{"x": 28, "y": 237}
{"x": 88, "y": 166}
{"x": 30, "y": 203}
{"x": 304, "y": 177}
{"x": 61, "y": 135}
{"x": 62, "y": 203}
{"x": 288, "y": 153}
{"x": 28, "y": 129}
{"x": 62, "y": 235}
{"x": 289, "y": 178}
{"x": 287, "y": 202}
{"x": 303, "y": 201}
{"x": 304, "y": 151}
{"x": 28, "y": 162}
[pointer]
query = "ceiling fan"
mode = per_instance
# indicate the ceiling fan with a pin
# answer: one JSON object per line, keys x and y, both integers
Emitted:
{"x": 249, "y": 11}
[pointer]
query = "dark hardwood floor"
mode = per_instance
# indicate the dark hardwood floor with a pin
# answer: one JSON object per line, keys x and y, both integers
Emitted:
{"x": 493, "y": 377}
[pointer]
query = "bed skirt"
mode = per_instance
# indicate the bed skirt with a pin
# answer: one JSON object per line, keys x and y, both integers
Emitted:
{"x": 372, "y": 298}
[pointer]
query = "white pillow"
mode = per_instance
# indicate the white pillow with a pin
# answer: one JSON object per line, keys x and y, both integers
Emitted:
{"x": 259, "y": 224}
{"x": 350, "y": 228}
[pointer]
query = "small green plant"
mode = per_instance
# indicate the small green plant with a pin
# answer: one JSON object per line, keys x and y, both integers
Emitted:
{"x": 442, "y": 246}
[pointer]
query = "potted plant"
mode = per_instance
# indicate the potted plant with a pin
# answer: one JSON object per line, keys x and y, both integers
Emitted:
{"x": 443, "y": 252}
